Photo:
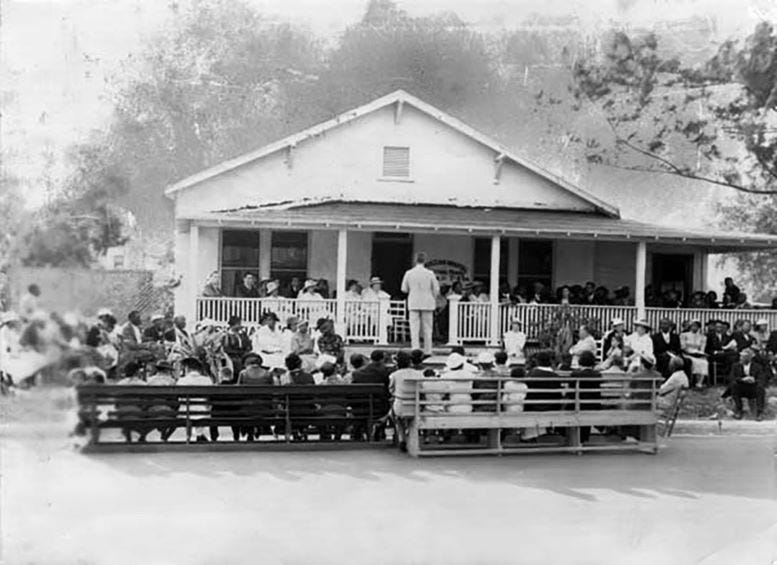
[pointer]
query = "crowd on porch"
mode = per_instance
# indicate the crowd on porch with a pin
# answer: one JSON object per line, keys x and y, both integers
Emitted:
{"x": 589, "y": 293}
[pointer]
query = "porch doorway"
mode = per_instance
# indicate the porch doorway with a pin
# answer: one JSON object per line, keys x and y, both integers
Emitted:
{"x": 672, "y": 272}
{"x": 392, "y": 255}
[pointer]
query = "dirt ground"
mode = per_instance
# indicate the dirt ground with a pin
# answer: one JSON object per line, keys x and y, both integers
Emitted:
{"x": 704, "y": 500}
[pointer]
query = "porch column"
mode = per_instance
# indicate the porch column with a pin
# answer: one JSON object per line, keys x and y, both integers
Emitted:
{"x": 342, "y": 260}
{"x": 265, "y": 254}
{"x": 493, "y": 334}
{"x": 639, "y": 286}
{"x": 194, "y": 276}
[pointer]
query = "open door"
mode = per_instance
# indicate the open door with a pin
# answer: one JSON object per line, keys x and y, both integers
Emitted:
{"x": 392, "y": 255}
{"x": 673, "y": 272}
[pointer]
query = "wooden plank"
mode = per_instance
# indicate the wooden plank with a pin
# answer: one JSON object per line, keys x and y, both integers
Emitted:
{"x": 478, "y": 420}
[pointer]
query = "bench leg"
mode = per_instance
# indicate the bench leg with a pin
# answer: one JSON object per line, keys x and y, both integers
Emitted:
{"x": 413, "y": 438}
{"x": 648, "y": 435}
{"x": 493, "y": 440}
{"x": 573, "y": 438}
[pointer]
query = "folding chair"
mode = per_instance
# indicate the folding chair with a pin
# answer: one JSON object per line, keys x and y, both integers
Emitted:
{"x": 670, "y": 416}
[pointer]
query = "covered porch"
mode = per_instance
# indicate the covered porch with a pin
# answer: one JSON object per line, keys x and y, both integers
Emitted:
{"x": 339, "y": 241}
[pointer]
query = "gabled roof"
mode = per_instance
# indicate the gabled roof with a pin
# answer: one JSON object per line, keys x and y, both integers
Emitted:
{"x": 396, "y": 97}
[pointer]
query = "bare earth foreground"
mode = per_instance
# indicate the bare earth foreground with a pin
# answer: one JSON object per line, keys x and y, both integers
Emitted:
{"x": 703, "y": 500}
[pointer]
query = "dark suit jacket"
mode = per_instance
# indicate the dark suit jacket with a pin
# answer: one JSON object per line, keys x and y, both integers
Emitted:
{"x": 153, "y": 333}
{"x": 743, "y": 340}
{"x": 244, "y": 292}
{"x": 661, "y": 346}
{"x": 590, "y": 393}
{"x": 771, "y": 344}
{"x": 714, "y": 343}
{"x": 372, "y": 373}
{"x": 536, "y": 372}
{"x": 757, "y": 371}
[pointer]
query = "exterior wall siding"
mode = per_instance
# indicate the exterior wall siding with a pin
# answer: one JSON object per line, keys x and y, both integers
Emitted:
{"x": 446, "y": 167}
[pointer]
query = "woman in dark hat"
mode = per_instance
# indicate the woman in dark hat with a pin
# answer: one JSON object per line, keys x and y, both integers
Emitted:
{"x": 236, "y": 343}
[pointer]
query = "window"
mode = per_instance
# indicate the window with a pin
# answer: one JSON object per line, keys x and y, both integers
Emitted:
{"x": 535, "y": 263}
{"x": 289, "y": 256}
{"x": 396, "y": 162}
{"x": 481, "y": 262}
{"x": 239, "y": 255}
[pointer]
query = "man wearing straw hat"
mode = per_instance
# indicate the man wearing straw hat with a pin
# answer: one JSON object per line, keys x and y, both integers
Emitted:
{"x": 421, "y": 286}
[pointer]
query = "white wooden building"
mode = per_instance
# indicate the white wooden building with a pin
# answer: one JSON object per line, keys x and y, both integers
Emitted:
{"x": 357, "y": 195}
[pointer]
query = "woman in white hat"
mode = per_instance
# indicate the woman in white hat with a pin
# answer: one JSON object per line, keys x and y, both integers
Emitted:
{"x": 459, "y": 384}
{"x": 760, "y": 334}
{"x": 693, "y": 343}
{"x": 309, "y": 298}
{"x": 639, "y": 345}
{"x": 514, "y": 341}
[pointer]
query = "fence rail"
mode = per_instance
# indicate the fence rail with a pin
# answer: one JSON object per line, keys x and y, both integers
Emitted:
{"x": 537, "y": 320}
{"x": 362, "y": 320}
{"x": 386, "y": 321}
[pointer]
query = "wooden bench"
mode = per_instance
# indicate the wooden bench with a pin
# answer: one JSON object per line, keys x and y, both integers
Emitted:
{"x": 561, "y": 404}
{"x": 281, "y": 414}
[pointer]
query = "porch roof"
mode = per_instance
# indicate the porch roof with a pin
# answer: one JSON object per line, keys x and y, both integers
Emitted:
{"x": 477, "y": 221}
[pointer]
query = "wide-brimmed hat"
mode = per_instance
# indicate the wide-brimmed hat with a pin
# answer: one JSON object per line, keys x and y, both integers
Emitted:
{"x": 761, "y": 322}
{"x": 485, "y": 358}
{"x": 516, "y": 320}
{"x": 644, "y": 323}
{"x": 617, "y": 322}
{"x": 157, "y": 316}
{"x": 455, "y": 361}
{"x": 376, "y": 280}
{"x": 310, "y": 283}
{"x": 267, "y": 315}
{"x": 104, "y": 312}
{"x": 301, "y": 323}
{"x": 272, "y": 286}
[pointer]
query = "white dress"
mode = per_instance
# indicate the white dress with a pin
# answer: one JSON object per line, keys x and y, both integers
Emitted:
{"x": 269, "y": 344}
{"x": 514, "y": 343}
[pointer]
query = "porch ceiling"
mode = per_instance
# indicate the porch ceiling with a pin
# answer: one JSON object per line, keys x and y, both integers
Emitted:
{"x": 479, "y": 221}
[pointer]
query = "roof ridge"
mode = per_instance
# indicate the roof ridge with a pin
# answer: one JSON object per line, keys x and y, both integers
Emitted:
{"x": 391, "y": 98}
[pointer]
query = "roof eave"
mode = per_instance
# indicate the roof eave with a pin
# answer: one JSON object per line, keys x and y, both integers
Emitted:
{"x": 391, "y": 98}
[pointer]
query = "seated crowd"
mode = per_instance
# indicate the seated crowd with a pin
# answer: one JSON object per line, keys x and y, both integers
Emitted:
{"x": 743, "y": 356}
{"x": 294, "y": 355}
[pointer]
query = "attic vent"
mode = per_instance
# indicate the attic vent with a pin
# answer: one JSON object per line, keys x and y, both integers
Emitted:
{"x": 396, "y": 162}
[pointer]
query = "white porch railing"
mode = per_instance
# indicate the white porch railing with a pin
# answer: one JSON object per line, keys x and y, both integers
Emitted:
{"x": 362, "y": 320}
{"x": 471, "y": 322}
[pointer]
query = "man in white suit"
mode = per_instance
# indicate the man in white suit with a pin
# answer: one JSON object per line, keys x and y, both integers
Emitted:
{"x": 421, "y": 286}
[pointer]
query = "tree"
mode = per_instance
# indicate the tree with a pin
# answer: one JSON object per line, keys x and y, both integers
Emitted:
{"x": 81, "y": 222}
{"x": 205, "y": 89}
{"x": 713, "y": 123}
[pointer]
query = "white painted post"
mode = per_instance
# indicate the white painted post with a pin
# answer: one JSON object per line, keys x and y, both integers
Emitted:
{"x": 383, "y": 322}
{"x": 639, "y": 287}
{"x": 342, "y": 261}
{"x": 265, "y": 254}
{"x": 453, "y": 320}
{"x": 493, "y": 333}
{"x": 194, "y": 275}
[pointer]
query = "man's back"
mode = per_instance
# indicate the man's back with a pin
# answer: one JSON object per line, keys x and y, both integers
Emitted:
{"x": 373, "y": 373}
{"x": 421, "y": 287}
{"x": 552, "y": 383}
